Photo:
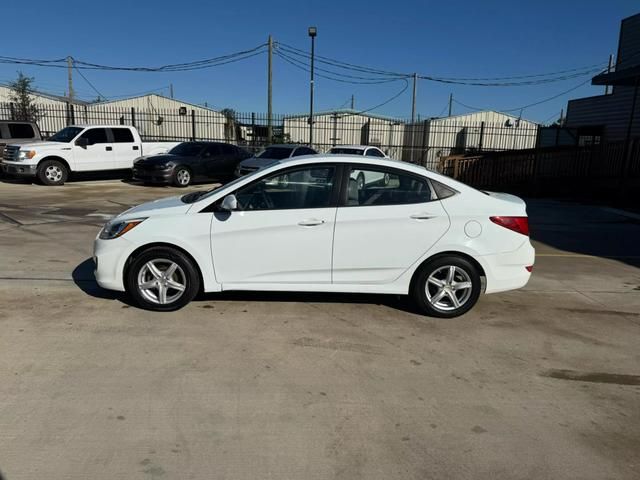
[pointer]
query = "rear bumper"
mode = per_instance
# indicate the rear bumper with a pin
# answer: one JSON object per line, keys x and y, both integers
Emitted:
{"x": 18, "y": 169}
{"x": 507, "y": 271}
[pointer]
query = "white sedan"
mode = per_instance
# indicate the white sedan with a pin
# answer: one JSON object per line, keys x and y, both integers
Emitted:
{"x": 304, "y": 224}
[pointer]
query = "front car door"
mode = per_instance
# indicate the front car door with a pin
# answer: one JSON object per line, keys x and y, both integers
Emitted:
{"x": 384, "y": 226}
{"x": 97, "y": 154}
{"x": 282, "y": 232}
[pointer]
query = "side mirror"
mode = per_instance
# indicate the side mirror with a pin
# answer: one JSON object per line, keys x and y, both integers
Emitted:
{"x": 229, "y": 203}
{"x": 82, "y": 142}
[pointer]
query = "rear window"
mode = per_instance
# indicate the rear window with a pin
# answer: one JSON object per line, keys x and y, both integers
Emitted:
{"x": 277, "y": 153}
{"x": 346, "y": 151}
{"x": 21, "y": 130}
{"x": 122, "y": 135}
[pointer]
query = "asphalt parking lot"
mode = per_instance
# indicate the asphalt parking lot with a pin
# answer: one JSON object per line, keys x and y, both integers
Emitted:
{"x": 539, "y": 383}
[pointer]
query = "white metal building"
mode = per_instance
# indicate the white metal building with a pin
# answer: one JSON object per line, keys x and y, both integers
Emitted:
{"x": 347, "y": 127}
{"x": 157, "y": 116}
{"x": 426, "y": 142}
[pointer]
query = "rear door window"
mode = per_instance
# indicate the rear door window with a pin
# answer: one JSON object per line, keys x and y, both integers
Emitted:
{"x": 122, "y": 135}
{"x": 21, "y": 130}
{"x": 369, "y": 186}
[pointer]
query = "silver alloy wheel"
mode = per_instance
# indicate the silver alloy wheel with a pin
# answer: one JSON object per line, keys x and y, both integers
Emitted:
{"x": 53, "y": 173}
{"x": 161, "y": 281}
{"x": 183, "y": 176}
{"x": 448, "y": 288}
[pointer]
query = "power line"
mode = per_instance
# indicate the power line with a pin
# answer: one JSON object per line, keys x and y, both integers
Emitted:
{"x": 524, "y": 107}
{"x": 100, "y": 95}
{"x": 176, "y": 67}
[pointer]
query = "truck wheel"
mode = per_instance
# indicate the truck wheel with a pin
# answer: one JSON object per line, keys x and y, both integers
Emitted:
{"x": 52, "y": 172}
{"x": 182, "y": 177}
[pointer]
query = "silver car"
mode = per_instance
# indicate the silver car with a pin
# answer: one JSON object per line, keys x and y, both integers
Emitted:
{"x": 270, "y": 155}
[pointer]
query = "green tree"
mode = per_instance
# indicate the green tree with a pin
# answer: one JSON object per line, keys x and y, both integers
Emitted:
{"x": 23, "y": 103}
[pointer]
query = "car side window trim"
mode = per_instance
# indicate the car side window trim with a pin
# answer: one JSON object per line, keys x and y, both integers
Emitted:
{"x": 343, "y": 201}
{"x": 333, "y": 198}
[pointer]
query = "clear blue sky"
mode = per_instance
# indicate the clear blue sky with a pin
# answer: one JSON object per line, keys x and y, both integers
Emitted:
{"x": 464, "y": 38}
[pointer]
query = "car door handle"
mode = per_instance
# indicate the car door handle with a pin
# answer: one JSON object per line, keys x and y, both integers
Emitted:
{"x": 312, "y": 222}
{"x": 108, "y": 149}
{"x": 135, "y": 147}
{"x": 421, "y": 216}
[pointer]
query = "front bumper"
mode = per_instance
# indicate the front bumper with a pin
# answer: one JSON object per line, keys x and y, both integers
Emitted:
{"x": 109, "y": 257}
{"x": 18, "y": 169}
{"x": 152, "y": 176}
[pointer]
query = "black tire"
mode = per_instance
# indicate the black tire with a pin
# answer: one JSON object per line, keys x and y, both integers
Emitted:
{"x": 52, "y": 172}
{"x": 360, "y": 180}
{"x": 440, "y": 267}
{"x": 185, "y": 274}
{"x": 182, "y": 177}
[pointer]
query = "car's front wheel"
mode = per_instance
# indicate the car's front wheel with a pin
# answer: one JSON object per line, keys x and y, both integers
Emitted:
{"x": 162, "y": 279}
{"x": 182, "y": 177}
{"x": 447, "y": 287}
{"x": 52, "y": 172}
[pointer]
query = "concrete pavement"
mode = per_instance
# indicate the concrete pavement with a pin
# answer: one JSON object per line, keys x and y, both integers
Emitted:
{"x": 293, "y": 386}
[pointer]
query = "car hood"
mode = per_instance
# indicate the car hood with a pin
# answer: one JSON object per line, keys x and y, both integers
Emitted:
{"x": 159, "y": 159}
{"x": 41, "y": 145}
{"x": 255, "y": 162}
{"x": 162, "y": 206}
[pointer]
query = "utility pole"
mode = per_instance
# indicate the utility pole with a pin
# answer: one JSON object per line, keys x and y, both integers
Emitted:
{"x": 413, "y": 112}
{"x": 70, "y": 77}
{"x": 269, "y": 92}
{"x": 171, "y": 90}
{"x": 413, "y": 102}
{"x": 313, "y": 31}
{"x": 606, "y": 87}
{"x": 353, "y": 102}
{"x": 450, "y": 103}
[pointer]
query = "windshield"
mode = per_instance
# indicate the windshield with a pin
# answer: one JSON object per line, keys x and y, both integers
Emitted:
{"x": 186, "y": 149}
{"x": 347, "y": 151}
{"x": 277, "y": 153}
{"x": 66, "y": 134}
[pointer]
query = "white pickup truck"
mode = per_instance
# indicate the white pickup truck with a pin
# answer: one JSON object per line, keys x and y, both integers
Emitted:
{"x": 79, "y": 148}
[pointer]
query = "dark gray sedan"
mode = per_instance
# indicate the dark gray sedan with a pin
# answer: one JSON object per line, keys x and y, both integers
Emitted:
{"x": 190, "y": 161}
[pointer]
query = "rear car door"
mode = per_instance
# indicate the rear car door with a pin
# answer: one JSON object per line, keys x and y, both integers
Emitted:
{"x": 383, "y": 228}
{"x": 282, "y": 232}
{"x": 125, "y": 149}
{"x": 97, "y": 154}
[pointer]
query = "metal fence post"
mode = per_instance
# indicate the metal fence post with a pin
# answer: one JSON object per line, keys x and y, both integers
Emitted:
{"x": 133, "y": 116}
{"x": 13, "y": 111}
{"x": 253, "y": 129}
{"x": 481, "y": 136}
{"x": 424, "y": 141}
{"x": 193, "y": 125}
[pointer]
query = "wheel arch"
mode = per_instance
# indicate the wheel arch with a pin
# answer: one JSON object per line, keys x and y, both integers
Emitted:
{"x": 142, "y": 248}
{"x": 58, "y": 159}
{"x": 466, "y": 256}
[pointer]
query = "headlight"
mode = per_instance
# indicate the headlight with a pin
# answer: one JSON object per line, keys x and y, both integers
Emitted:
{"x": 117, "y": 228}
{"x": 25, "y": 154}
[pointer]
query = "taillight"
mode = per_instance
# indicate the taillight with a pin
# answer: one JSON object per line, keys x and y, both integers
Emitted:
{"x": 517, "y": 224}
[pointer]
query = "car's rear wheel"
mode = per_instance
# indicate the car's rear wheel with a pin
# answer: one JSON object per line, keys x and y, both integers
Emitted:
{"x": 52, "y": 172}
{"x": 162, "y": 279}
{"x": 182, "y": 177}
{"x": 447, "y": 287}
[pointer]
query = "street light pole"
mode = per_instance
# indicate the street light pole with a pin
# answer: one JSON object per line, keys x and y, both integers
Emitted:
{"x": 312, "y": 33}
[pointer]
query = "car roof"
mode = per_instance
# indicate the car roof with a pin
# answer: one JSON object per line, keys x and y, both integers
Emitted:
{"x": 357, "y": 147}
